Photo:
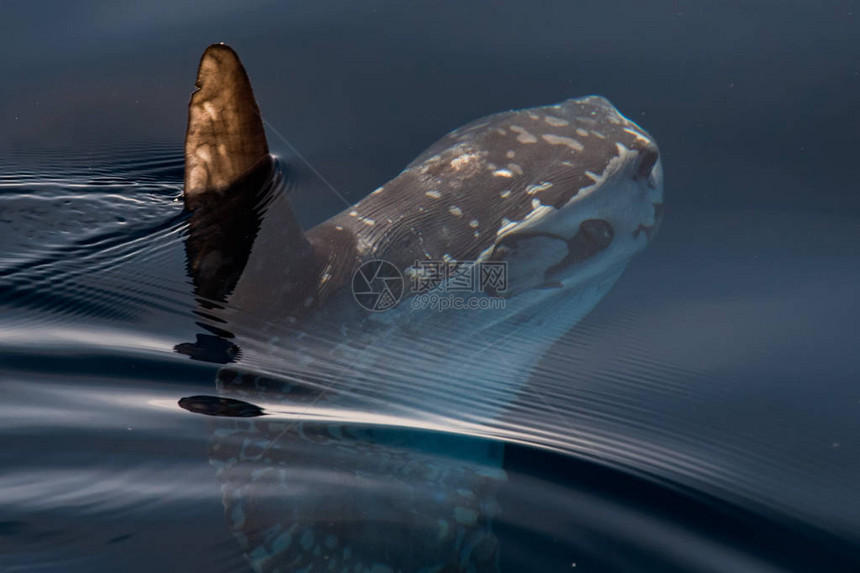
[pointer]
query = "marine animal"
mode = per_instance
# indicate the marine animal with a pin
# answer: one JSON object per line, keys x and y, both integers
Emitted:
{"x": 517, "y": 223}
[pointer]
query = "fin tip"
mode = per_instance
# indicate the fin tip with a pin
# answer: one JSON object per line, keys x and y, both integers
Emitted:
{"x": 225, "y": 139}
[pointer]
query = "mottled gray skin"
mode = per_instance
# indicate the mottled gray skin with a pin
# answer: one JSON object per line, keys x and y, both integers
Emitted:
{"x": 565, "y": 194}
{"x": 452, "y": 198}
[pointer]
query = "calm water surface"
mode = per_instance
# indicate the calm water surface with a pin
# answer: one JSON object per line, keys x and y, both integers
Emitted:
{"x": 703, "y": 418}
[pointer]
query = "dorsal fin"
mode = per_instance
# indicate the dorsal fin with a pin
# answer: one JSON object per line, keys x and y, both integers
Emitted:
{"x": 225, "y": 138}
{"x": 244, "y": 246}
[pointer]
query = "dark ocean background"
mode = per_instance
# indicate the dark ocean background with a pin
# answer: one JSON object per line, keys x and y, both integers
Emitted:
{"x": 706, "y": 414}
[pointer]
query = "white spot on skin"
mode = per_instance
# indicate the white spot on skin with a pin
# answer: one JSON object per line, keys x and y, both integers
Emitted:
{"x": 598, "y": 134}
{"x": 353, "y": 213}
{"x": 473, "y": 223}
{"x": 362, "y": 246}
{"x": 368, "y": 222}
{"x": 556, "y": 121}
{"x": 456, "y": 211}
{"x": 503, "y": 173}
{"x": 534, "y": 218}
{"x": 533, "y": 116}
{"x": 463, "y": 160}
{"x": 507, "y": 224}
{"x": 523, "y": 136}
{"x": 582, "y": 132}
{"x": 542, "y": 186}
{"x": 338, "y": 227}
{"x": 561, "y": 140}
{"x": 511, "y": 154}
{"x": 536, "y": 214}
{"x": 203, "y": 153}
{"x": 505, "y": 194}
{"x": 593, "y": 176}
{"x": 433, "y": 194}
{"x": 476, "y": 234}
{"x": 622, "y": 149}
{"x": 515, "y": 168}
{"x": 637, "y": 135}
{"x": 377, "y": 191}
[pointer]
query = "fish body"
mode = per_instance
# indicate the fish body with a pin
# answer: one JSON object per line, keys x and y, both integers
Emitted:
{"x": 558, "y": 198}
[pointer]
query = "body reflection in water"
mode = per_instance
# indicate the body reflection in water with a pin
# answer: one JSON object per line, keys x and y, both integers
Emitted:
{"x": 366, "y": 498}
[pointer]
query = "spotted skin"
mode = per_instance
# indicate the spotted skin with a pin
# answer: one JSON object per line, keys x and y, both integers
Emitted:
{"x": 483, "y": 178}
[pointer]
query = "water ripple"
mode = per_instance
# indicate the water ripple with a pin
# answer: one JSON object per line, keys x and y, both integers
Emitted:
{"x": 95, "y": 299}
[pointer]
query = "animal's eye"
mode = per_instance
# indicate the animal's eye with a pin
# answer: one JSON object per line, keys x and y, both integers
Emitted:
{"x": 647, "y": 160}
{"x": 594, "y": 235}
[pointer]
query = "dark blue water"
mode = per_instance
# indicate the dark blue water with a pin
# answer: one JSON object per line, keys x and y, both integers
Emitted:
{"x": 703, "y": 418}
